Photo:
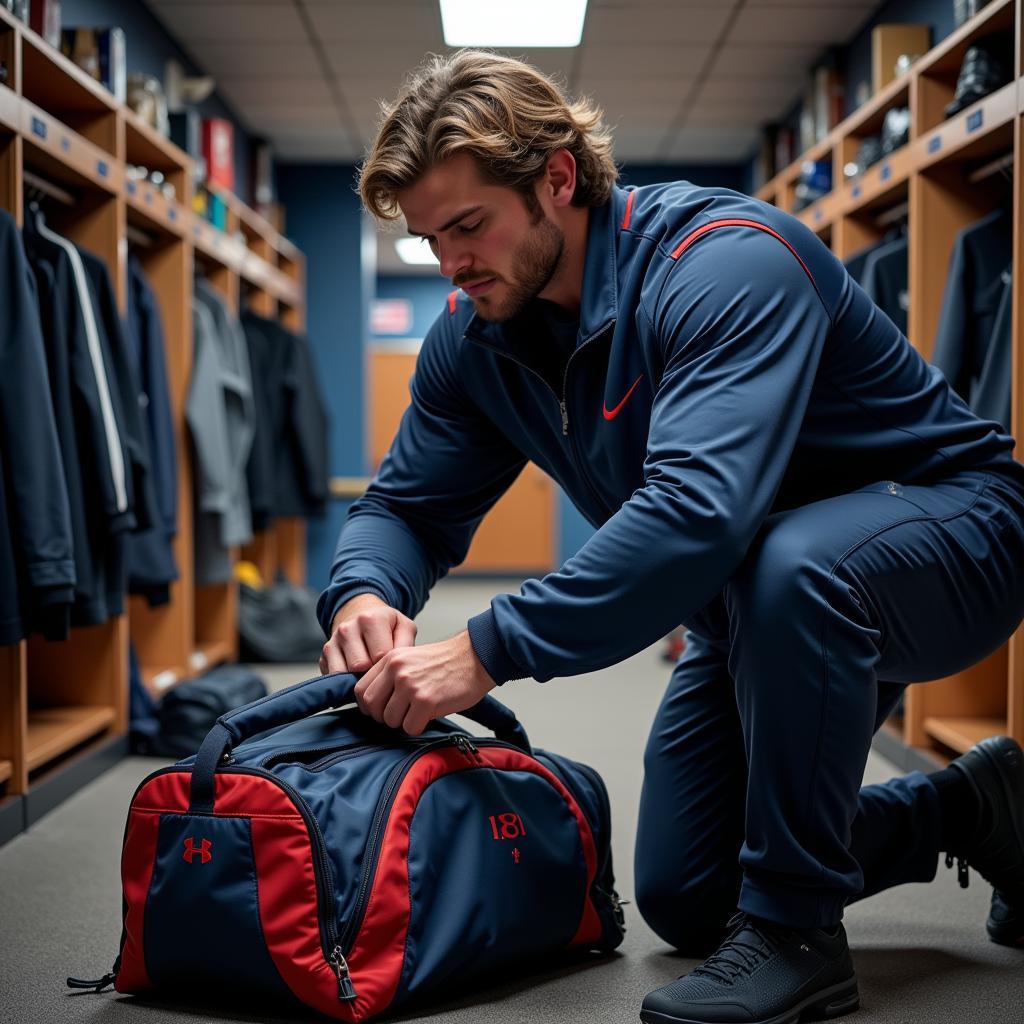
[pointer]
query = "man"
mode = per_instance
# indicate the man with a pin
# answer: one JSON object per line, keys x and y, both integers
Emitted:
{"x": 765, "y": 458}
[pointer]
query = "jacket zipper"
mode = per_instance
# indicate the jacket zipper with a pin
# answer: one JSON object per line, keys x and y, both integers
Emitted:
{"x": 563, "y": 406}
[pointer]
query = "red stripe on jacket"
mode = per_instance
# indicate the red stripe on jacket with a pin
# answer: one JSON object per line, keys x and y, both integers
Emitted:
{"x": 736, "y": 223}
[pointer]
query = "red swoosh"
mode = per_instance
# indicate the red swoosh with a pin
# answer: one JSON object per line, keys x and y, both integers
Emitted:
{"x": 610, "y": 414}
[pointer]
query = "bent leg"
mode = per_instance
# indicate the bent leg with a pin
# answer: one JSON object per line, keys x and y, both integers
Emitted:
{"x": 691, "y": 807}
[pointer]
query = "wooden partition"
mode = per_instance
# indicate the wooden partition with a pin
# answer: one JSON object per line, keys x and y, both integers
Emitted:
{"x": 63, "y": 135}
{"x": 518, "y": 534}
{"x": 951, "y": 172}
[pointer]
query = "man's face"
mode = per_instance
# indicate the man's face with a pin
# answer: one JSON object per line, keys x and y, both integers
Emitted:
{"x": 501, "y": 249}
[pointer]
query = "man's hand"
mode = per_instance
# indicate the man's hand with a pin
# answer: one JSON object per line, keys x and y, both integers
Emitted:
{"x": 363, "y": 631}
{"x": 410, "y": 686}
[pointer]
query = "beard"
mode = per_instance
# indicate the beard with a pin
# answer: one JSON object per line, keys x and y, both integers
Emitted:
{"x": 535, "y": 259}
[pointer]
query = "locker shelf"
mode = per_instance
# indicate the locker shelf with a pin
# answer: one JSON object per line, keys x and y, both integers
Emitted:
{"x": 960, "y": 734}
{"x": 54, "y": 731}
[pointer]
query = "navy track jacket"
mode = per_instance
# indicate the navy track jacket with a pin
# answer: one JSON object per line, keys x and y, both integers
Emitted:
{"x": 726, "y": 367}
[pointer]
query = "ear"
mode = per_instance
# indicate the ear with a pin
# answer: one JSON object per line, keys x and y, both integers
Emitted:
{"x": 560, "y": 177}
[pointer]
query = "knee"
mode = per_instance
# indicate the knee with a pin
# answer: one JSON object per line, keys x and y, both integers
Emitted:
{"x": 689, "y": 915}
{"x": 778, "y": 573}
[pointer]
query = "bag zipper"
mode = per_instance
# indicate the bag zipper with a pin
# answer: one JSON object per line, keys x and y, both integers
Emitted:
{"x": 327, "y": 913}
{"x": 384, "y": 802}
{"x": 609, "y": 894}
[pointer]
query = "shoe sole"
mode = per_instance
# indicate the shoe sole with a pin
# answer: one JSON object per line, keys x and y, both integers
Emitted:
{"x": 830, "y": 1002}
{"x": 1005, "y": 936}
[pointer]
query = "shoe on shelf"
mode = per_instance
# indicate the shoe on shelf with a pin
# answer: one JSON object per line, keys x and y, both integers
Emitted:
{"x": 995, "y": 770}
{"x": 763, "y": 973}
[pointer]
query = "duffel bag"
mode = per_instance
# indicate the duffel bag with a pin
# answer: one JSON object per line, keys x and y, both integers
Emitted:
{"x": 326, "y": 858}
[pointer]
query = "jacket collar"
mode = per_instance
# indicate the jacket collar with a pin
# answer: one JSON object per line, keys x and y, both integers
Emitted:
{"x": 599, "y": 298}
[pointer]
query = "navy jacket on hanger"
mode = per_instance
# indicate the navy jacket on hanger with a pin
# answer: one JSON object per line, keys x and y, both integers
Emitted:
{"x": 969, "y": 324}
{"x": 37, "y": 569}
{"x": 151, "y": 564}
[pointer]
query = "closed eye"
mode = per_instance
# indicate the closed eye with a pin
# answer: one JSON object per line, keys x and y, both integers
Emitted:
{"x": 468, "y": 229}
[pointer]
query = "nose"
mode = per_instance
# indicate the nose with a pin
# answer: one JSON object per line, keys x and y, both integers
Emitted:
{"x": 454, "y": 259}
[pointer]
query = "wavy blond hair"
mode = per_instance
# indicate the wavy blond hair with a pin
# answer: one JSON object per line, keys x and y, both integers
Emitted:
{"x": 503, "y": 112}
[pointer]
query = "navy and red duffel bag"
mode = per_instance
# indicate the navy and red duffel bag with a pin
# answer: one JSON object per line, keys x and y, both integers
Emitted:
{"x": 352, "y": 867}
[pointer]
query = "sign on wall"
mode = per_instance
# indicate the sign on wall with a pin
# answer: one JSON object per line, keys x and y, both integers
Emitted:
{"x": 391, "y": 316}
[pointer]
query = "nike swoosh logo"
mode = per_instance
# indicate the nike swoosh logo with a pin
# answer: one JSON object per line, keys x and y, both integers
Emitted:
{"x": 610, "y": 414}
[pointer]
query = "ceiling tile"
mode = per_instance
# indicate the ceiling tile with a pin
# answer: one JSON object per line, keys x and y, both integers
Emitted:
{"x": 622, "y": 26}
{"x": 763, "y": 61}
{"x": 370, "y": 23}
{"x": 820, "y": 26}
{"x": 599, "y": 63}
{"x": 299, "y": 91}
{"x": 741, "y": 90}
{"x": 244, "y": 59}
{"x": 236, "y": 22}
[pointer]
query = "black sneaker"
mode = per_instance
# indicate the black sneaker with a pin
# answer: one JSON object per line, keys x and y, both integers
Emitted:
{"x": 763, "y": 973}
{"x": 995, "y": 770}
{"x": 1005, "y": 923}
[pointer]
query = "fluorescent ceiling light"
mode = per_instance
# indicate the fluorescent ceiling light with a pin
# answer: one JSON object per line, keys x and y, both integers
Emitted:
{"x": 414, "y": 250}
{"x": 502, "y": 23}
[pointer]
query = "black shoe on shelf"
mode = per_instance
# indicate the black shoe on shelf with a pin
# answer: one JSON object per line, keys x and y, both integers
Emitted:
{"x": 763, "y": 973}
{"x": 995, "y": 769}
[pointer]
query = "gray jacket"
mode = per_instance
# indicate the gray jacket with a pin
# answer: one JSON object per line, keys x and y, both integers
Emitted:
{"x": 221, "y": 419}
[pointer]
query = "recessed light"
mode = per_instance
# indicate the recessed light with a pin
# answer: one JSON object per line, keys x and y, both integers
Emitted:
{"x": 501, "y": 23}
{"x": 414, "y": 250}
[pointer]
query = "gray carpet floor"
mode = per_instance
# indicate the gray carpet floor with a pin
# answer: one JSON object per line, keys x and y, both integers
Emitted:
{"x": 920, "y": 950}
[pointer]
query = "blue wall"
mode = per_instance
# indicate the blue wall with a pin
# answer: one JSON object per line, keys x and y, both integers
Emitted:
{"x": 325, "y": 221}
{"x": 149, "y": 47}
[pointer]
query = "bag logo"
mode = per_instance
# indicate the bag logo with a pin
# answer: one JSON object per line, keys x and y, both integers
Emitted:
{"x": 507, "y": 826}
{"x": 203, "y": 850}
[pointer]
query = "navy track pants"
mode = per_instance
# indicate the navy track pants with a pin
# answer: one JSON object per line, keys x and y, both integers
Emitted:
{"x": 752, "y": 790}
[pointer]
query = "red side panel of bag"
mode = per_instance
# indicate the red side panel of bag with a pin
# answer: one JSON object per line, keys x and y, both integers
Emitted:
{"x": 377, "y": 958}
{"x": 284, "y": 869}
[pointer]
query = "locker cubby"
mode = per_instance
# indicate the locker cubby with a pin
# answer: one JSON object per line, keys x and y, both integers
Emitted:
{"x": 65, "y": 141}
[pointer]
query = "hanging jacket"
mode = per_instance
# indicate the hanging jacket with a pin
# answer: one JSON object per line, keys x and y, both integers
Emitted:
{"x": 991, "y": 395}
{"x": 302, "y": 456}
{"x": 37, "y": 570}
{"x": 151, "y": 563}
{"x": 219, "y": 412}
{"x": 287, "y": 472}
{"x": 885, "y": 279}
{"x": 126, "y": 392}
{"x": 726, "y": 367}
{"x": 77, "y": 347}
{"x": 970, "y": 305}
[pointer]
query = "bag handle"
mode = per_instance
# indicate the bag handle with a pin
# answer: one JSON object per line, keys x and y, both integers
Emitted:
{"x": 305, "y": 699}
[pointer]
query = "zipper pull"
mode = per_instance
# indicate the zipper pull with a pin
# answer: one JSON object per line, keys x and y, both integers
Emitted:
{"x": 346, "y": 990}
{"x": 100, "y": 983}
{"x": 565, "y": 419}
{"x": 467, "y": 747}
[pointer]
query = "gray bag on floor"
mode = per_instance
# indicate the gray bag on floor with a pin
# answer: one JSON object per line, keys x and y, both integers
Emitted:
{"x": 190, "y": 710}
{"x": 278, "y": 624}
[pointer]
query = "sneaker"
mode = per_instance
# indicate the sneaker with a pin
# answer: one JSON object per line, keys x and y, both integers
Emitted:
{"x": 995, "y": 769}
{"x": 763, "y": 973}
{"x": 1005, "y": 923}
